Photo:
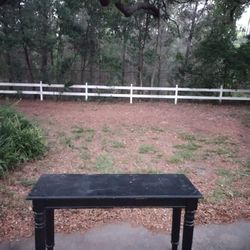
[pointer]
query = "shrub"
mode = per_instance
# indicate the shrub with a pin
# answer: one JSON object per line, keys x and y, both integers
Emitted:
{"x": 20, "y": 140}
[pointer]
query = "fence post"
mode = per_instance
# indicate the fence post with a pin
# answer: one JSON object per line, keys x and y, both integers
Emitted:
{"x": 176, "y": 94}
{"x": 86, "y": 91}
{"x": 131, "y": 93}
{"x": 221, "y": 93}
{"x": 41, "y": 91}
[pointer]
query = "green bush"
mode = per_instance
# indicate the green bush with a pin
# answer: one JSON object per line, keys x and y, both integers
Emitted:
{"x": 20, "y": 140}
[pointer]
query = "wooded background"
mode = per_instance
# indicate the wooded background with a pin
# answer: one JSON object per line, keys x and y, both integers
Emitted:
{"x": 191, "y": 43}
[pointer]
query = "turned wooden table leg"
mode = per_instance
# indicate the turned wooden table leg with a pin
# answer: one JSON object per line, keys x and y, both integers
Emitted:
{"x": 188, "y": 228}
{"x": 175, "y": 235}
{"x": 50, "y": 238}
{"x": 39, "y": 216}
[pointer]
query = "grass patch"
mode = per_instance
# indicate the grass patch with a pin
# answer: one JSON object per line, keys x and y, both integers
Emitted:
{"x": 191, "y": 146}
{"x": 228, "y": 152}
{"x": 157, "y": 129}
{"x": 88, "y": 134}
{"x": 184, "y": 171}
{"x": 223, "y": 172}
{"x": 26, "y": 182}
{"x": 184, "y": 152}
{"x": 147, "y": 149}
{"x": 104, "y": 162}
{"x": 85, "y": 155}
{"x": 20, "y": 140}
{"x": 150, "y": 171}
{"x": 217, "y": 196}
{"x": 245, "y": 169}
{"x": 247, "y": 166}
{"x": 226, "y": 177}
{"x": 245, "y": 119}
{"x": 220, "y": 140}
{"x": 181, "y": 156}
{"x": 187, "y": 136}
{"x": 106, "y": 129}
{"x": 224, "y": 188}
{"x": 77, "y": 130}
{"x": 117, "y": 144}
{"x": 65, "y": 140}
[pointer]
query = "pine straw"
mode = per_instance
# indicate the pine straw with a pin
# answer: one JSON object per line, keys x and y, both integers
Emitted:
{"x": 159, "y": 124}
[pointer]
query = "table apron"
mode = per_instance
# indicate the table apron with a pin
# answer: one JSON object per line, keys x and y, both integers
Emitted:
{"x": 114, "y": 202}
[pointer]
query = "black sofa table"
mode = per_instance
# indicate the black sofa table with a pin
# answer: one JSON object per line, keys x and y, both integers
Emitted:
{"x": 55, "y": 191}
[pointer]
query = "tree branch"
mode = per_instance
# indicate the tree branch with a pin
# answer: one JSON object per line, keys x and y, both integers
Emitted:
{"x": 129, "y": 9}
{"x": 105, "y": 3}
{"x": 2, "y": 2}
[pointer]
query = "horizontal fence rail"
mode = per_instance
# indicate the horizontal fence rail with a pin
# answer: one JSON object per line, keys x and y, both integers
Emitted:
{"x": 176, "y": 93}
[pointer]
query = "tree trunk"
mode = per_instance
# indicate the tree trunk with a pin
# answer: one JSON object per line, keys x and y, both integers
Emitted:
{"x": 143, "y": 33}
{"x": 58, "y": 58}
{"x": 124, "y": 51}
{"x": 9, "y": 65}
{"x": 140, "y": 67}
{"x": 83, "y": 66}
{"x": 159, "y": 63}
{"x": 157, "y": 54}
{"x": 91, "y": 53}
{"x": 25, "y": 46}
{"x": 44, "y": 46}
{"x": 190, "y": 37}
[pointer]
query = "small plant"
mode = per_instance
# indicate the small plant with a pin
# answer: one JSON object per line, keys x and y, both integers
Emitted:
{"x": 147, "y": 149}
{"x": 104, "y": 162}
{"x": 20, "y": 140}
{"x": 68, "y": 142}
{"x": 118, "y": 144}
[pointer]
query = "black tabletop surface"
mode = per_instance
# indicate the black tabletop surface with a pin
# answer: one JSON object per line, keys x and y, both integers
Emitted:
{"x": 68, "y": 186}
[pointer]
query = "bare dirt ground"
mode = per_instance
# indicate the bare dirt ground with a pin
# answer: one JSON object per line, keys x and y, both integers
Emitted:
{"x": 209, "y": 143}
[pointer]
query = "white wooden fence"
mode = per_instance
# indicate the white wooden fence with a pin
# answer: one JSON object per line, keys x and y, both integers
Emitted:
{"x": 176, "y": 93}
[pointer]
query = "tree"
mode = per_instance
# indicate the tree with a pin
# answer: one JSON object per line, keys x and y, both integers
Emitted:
{"x": 215, "y": 55}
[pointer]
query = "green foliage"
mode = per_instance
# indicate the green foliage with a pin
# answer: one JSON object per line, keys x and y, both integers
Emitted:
{"x": 80, "y": 41}
{"x": 218, "y": 60}
{"x": 20, "y": 140}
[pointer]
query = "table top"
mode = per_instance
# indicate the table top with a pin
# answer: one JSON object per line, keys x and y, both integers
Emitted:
{"x": 81, "y": 186}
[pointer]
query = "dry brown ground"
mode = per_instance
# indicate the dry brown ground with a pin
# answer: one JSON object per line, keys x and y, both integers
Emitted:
{"x": 209, "y": 143}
